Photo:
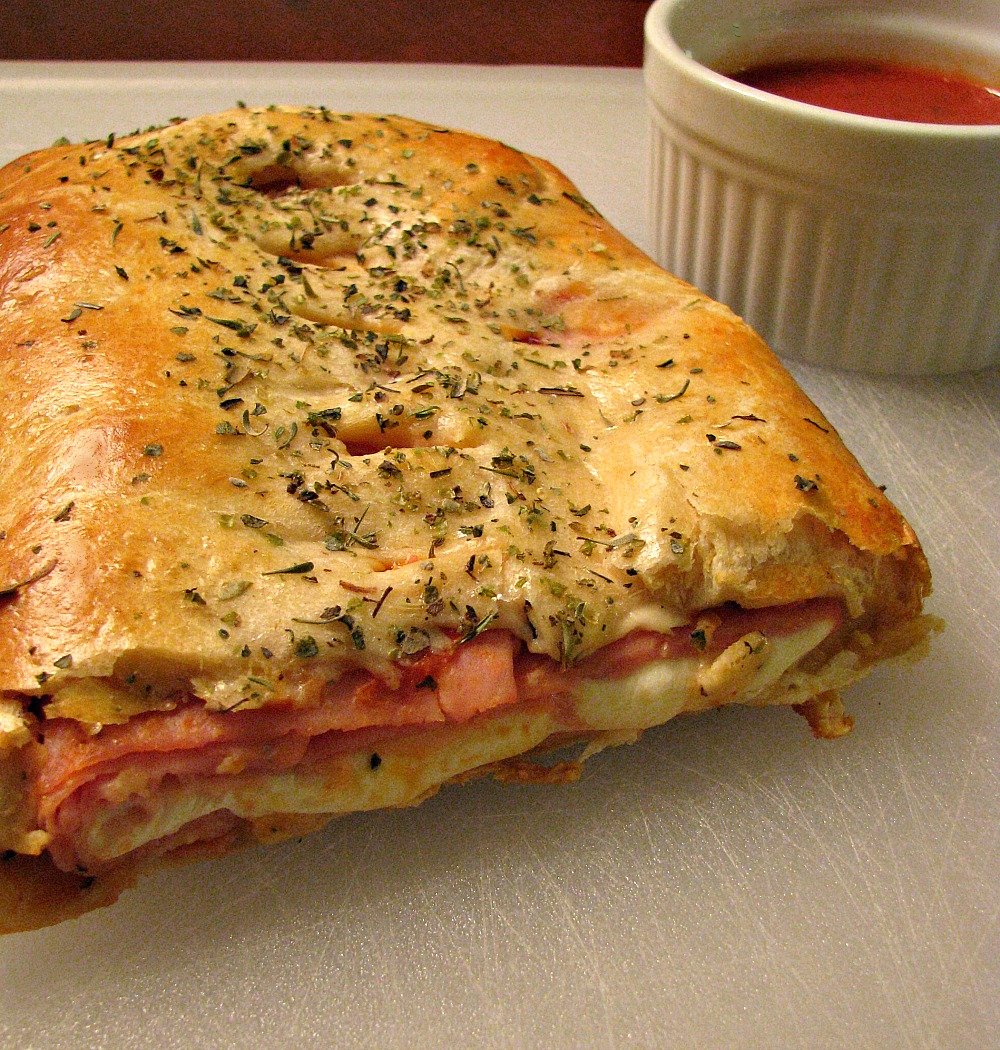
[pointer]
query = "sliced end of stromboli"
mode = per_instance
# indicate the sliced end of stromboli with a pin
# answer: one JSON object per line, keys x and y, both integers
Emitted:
{"x": 189, "y": 782}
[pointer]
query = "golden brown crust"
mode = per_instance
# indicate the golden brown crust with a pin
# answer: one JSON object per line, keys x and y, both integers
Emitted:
{"x": 289, "y": 392}
{"x": 138, "y": 346}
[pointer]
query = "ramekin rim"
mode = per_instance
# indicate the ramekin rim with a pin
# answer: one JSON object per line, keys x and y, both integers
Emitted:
{"x": 668, "y": 50}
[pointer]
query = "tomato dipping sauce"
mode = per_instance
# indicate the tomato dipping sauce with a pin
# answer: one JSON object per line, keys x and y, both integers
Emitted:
{"x": 880, "y": 89}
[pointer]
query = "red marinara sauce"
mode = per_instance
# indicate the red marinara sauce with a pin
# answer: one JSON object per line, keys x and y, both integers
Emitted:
{"x": 880, "y": 89}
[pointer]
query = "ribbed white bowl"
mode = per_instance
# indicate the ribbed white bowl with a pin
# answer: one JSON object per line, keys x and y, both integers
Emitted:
{"x": 849, "y": 241}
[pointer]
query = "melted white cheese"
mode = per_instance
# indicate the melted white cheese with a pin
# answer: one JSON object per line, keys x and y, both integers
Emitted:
{"x": 650, "y": 618}
{"x": 663, "y": 688}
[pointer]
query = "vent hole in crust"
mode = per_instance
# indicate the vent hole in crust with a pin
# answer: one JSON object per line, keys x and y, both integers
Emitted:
{"x": 451, "y": 432}
{"x": 319, "y": 313}
{"x": 369, "y": 443}
{"x": 331, "y": 250}
{"x": 274, "y": 180}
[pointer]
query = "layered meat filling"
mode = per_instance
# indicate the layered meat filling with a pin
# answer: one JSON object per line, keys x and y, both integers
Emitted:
{"x": 165, "y": 779}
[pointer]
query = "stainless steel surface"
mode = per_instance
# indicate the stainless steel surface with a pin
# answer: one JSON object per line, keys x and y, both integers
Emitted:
{"x": 728, "y": 881}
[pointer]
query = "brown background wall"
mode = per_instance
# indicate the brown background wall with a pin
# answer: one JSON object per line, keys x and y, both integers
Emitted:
{"x": 557, "y": 32}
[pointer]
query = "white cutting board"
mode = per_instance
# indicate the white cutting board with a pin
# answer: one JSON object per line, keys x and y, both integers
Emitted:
{"x": 726, "y": 882}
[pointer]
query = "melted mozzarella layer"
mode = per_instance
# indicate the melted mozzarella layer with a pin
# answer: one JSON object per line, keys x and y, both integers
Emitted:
{"x": 663, "y": 688}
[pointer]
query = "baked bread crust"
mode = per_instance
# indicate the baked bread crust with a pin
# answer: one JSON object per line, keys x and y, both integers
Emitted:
{"x": 292, "y": 394}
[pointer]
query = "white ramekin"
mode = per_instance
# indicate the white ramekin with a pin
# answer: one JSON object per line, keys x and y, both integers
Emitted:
{"x": 844, "y": 240}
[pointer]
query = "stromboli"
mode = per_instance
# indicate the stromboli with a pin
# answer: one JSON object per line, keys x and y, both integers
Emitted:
{"x": 347, "y": 456}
